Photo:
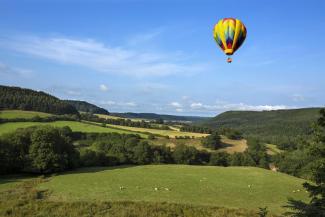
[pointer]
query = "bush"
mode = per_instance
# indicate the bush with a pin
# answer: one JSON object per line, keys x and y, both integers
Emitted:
{"x": 50, "y": 151}
{"x": 219, "y": 159}
{"x": 212, "y": 141}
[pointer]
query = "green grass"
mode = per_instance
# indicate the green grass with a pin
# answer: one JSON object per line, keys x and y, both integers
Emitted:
{"x": 11, "y": 114}
{"x": 193, "y": 185}
{"x": 74, "y": 125}
{"x": 26, "y": 200}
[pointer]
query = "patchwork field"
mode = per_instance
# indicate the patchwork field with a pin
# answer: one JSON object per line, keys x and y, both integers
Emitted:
{"x": 232, "y": 187}
{"x": 74, "y": 125}
{"x": 115, "y": 117}
{"x": 170, "y": 133}
{"x": 11, "y": 114}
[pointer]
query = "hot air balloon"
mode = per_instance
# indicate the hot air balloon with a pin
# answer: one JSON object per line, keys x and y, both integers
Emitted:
{"x": 229, "y": 33}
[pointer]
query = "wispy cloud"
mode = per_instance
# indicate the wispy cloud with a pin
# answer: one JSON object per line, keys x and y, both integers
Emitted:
{"x": 14, "y": 71}
{"x": 105, "y": 58}
{"x": 103, "y": 87}
{"x": 139, "y": 39}
{"x": 298, "y": 98}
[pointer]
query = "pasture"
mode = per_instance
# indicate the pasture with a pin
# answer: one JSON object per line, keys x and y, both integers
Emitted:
{"x": 74, "y": 125}
{"x": 230, "y": 187}
{"x": 11, "y": 114}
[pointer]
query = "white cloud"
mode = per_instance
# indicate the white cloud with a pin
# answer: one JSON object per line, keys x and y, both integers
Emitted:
{"x": 224, "y": 106}
{"x": 104, "y": 58}
{"x": 118, "y": 104}
{"x": 179, "y": 110}
{"x": 130, "y": 104}
{"x": 103, "y": 87}
{"x": 176, "y": 104}
{"x": 109, "y": 102}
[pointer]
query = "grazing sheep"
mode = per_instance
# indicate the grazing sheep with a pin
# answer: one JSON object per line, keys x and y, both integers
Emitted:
{"x": 156, "y": 189}
{"x": 294, "y": 191}
{"x": 249, "y": 186}
{"x": 298, "y": 190}
{"x": 167, "y": 189}
{"x": 121, "y": 188}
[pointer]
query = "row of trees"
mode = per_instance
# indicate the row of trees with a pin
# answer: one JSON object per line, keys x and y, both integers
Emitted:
{"x": 46, "y": 149}
{"x": 26, "y": 99}
{"x": 37, "y": 118}
{"x": 41, "y": 150}
{"x": 195, "y": 129}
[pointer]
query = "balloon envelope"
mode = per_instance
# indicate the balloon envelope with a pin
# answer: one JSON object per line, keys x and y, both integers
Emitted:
{"x": 229, "y": 33}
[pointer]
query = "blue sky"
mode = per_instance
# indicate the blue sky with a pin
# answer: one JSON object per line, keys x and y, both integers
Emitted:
{"x": 160, "y": 56}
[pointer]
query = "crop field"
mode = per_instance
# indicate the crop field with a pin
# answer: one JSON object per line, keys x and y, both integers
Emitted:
{"x": 231, "y": 187}
{"x": 74, "y": 125}
{"x": 11, "y": 114}
{"x": 170, "y": 133}
{"x": 115, "y": 117}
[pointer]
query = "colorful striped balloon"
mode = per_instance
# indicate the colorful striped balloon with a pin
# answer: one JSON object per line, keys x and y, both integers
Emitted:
{"x": 229, "y": 33}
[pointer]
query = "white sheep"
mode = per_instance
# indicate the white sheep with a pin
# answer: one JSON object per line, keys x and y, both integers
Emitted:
{"x": 156, "y": 189}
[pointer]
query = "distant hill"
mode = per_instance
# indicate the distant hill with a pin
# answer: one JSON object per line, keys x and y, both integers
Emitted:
{"x": 31, "y": 100}
{"x": 279, "y": 126}
{"x": 154, "y": 116}
{"x": 84, "y": 106}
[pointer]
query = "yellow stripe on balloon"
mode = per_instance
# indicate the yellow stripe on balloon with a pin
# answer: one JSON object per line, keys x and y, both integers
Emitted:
{"x": 220, "y": 31}
{"x": 237, "y": 31}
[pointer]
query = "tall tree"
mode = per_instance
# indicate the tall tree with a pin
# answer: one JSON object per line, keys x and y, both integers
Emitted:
{"x": 316, "y": 206}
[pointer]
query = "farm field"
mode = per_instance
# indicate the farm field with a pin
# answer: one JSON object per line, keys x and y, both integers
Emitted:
{"x": 115, "y": 117}
{"x": 231, "y": 187}
{"x": 11, "y": 114}
{"x": 230, "y": 145}
{"x": 74, "y": 125}
{"x": 170, "y": 133}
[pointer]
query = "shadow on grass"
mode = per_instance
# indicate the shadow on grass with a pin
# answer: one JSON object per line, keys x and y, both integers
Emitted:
{"x": 5, "y": 179}
{"x": 95, "y": 169}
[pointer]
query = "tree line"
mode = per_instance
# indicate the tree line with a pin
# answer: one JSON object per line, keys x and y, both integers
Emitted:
{"x": 30, "y": 100}
{"x": 123, "y": 122}
{"x": 46, "y": 149}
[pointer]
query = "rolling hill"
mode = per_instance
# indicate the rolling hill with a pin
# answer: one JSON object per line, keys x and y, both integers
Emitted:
{"x": 31, "y": 100}
{"x": 231, "y": 187}
{"x": 154, "y": 116}
{"x": 275, "y": 127}
{"x": 84, "y": 106}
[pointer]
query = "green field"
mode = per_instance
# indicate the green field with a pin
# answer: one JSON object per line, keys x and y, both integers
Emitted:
{"x": 11, "y": 114}
{"x": 232, "y": 187}
{"x": 74, "y": 125}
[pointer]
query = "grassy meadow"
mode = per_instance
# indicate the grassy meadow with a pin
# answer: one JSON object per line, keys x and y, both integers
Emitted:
{"x": 232, "y": 187}
{"x": 74, "y": 125}
{"x": 11, "y": 114}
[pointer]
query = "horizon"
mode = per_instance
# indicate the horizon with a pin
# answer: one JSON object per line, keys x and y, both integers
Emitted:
{"x": 160, "y": 57}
